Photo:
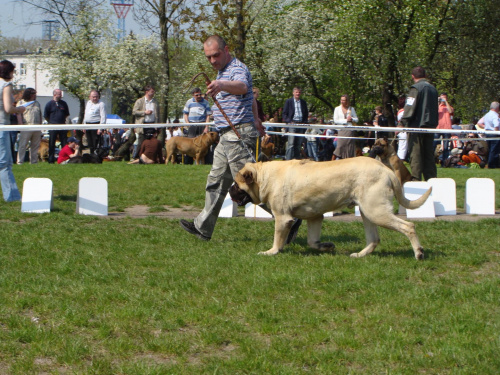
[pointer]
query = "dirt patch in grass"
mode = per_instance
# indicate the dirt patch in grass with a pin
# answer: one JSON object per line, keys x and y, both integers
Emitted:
{"x": 189, "y": 212}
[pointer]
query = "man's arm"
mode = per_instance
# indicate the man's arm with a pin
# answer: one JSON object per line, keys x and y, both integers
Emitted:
{"x": 410, "y": 106}
{"x": 103, "y": 112}
{"x": 46, "y": 114}
{"x": 232, "y": 87}
{"x": 287, "y": 116}
{"x": 67, "y": 112}
{"x": 138, "y": 110}
{"x": 496, "y": 124}
{"x": 305, "y": 115}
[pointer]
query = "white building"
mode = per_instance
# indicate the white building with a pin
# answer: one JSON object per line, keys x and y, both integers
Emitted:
{"x": 29, "y": 74}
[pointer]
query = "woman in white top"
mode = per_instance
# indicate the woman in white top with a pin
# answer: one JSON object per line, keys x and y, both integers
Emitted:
{"x": 9, "y": 187}
{"x": 344, "y": 114}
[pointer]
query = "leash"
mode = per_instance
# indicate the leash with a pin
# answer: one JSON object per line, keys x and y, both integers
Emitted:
{"x": 208, "y": 82}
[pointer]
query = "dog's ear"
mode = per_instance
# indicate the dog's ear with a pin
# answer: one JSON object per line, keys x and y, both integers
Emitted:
{"x": 249, "y": 173}
{"x": 386, "y": 139}
{"x": 248, "y": 176}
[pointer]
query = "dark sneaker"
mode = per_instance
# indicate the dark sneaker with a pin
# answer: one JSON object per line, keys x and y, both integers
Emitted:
{"x": 293, "y": 231}
{"x": 189, "y": 227}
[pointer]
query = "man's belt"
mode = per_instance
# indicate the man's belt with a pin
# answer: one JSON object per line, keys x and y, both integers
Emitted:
{"x": 238, "y": 127}
{"x": 93, "y": 123}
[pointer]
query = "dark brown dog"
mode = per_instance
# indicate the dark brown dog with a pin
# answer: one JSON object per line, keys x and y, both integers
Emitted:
{"x": 197, "y": 147}
{"x": 383, "y": 151}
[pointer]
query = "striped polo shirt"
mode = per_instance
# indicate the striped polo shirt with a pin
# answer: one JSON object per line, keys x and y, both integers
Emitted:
{"x": 237, "y": 107}
{"x": 197, "y": 111}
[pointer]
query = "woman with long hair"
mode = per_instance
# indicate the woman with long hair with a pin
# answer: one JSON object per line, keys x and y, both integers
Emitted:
{"x": 9, "y": 187}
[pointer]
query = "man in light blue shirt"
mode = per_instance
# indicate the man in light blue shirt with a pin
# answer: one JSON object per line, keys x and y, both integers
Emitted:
{"x": 492, "y": 123}
{"x": 196, "y": 110}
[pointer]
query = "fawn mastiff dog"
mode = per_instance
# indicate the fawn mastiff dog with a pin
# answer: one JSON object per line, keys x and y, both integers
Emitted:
{"x": 197, "y": 147}
{"x": 307, "y": 189}
{"x": 388, "y": 156}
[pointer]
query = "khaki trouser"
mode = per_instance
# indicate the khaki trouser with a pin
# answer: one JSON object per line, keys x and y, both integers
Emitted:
{"x": 229, "y": 158}
{"x": 35, "y": 138}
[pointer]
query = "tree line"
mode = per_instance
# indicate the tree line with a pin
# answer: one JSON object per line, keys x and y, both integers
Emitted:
{"x": 363, "y": 48}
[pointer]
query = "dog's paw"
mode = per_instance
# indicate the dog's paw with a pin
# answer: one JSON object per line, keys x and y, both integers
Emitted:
{"x": 269, "y": 252}
{"x": 420, "y": 255}
{"x": 325, "y": 246}
{"x": 355, "y": 255}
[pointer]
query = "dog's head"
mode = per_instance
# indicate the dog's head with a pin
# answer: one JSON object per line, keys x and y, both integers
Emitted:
{"x": 245, "y": 189}
{"x": 213, "y": 137}
{"x": 380, "y": 148}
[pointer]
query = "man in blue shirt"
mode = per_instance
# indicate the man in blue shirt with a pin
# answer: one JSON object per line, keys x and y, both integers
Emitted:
{"x": 196, "y": 110}
{"x": 492, "y": 123}
{"x": 233, "y": 90}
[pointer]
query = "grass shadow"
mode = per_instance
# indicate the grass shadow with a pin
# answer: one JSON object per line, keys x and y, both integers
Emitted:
{"x": 66, "y": 198}
{"x": 408, "y": 253}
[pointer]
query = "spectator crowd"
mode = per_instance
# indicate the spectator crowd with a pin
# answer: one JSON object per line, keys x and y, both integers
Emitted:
{"x": 290, "y": 138}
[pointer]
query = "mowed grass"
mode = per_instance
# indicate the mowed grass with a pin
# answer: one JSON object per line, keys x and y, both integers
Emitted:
{"x": 90, "y": 295}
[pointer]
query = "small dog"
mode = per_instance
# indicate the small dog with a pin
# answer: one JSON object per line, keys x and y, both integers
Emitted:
{"x": 306, "y": 189}
{"x": 382, "y": 150}
{"x": 197, "y": 147}
{"x": 43, "y": 151}
{"x": 267, "y": 147}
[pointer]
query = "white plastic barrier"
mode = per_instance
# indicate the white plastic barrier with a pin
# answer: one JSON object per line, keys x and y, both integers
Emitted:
{"x": 252, "y": 210}
{"x": 92, "y": 196}
{"x": 480, "y": 196}
{"x": 444, "y": 195}
{"x": 414, "y": 190}
{"x": 37, "y": 195}
{"x": 229, "y": 208}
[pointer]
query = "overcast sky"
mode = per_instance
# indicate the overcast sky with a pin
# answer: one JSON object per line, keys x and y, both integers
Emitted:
{"x": 17, "y": 19}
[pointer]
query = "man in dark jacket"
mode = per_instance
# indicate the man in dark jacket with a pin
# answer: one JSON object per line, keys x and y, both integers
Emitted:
{"x": 295, "y": 112}
{"x": 421, "y": 111}
{"x": 56, "y": 112}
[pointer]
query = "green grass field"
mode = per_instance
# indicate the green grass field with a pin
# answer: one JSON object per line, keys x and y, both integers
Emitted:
{"x": 93, "y": 295}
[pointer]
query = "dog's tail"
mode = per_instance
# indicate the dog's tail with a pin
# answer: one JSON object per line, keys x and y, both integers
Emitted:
{"x": 402, "y": 200}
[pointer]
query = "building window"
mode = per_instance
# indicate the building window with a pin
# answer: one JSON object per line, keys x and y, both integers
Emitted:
{"x": 22, "y": 69}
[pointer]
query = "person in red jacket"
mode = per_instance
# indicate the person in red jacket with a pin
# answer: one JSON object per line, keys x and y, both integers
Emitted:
{"x": 69, "y": 151}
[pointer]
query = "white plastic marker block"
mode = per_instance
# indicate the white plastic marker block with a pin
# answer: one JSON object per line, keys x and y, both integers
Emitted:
{"x": 357, "y": 212}
{"x": 37, "y": 195}
{"x": 414, "y": 190}
{"x": 92, "y": 196}
{"x": 229, "y": 208}
{"x": 251, "y": 210}
{"x": 444, "y": 195}
{"x": 480, "y": 196}
{"x": 328, "y": 214}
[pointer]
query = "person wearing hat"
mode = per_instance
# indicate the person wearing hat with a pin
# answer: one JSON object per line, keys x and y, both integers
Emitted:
{"x": 69, "y": 151}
